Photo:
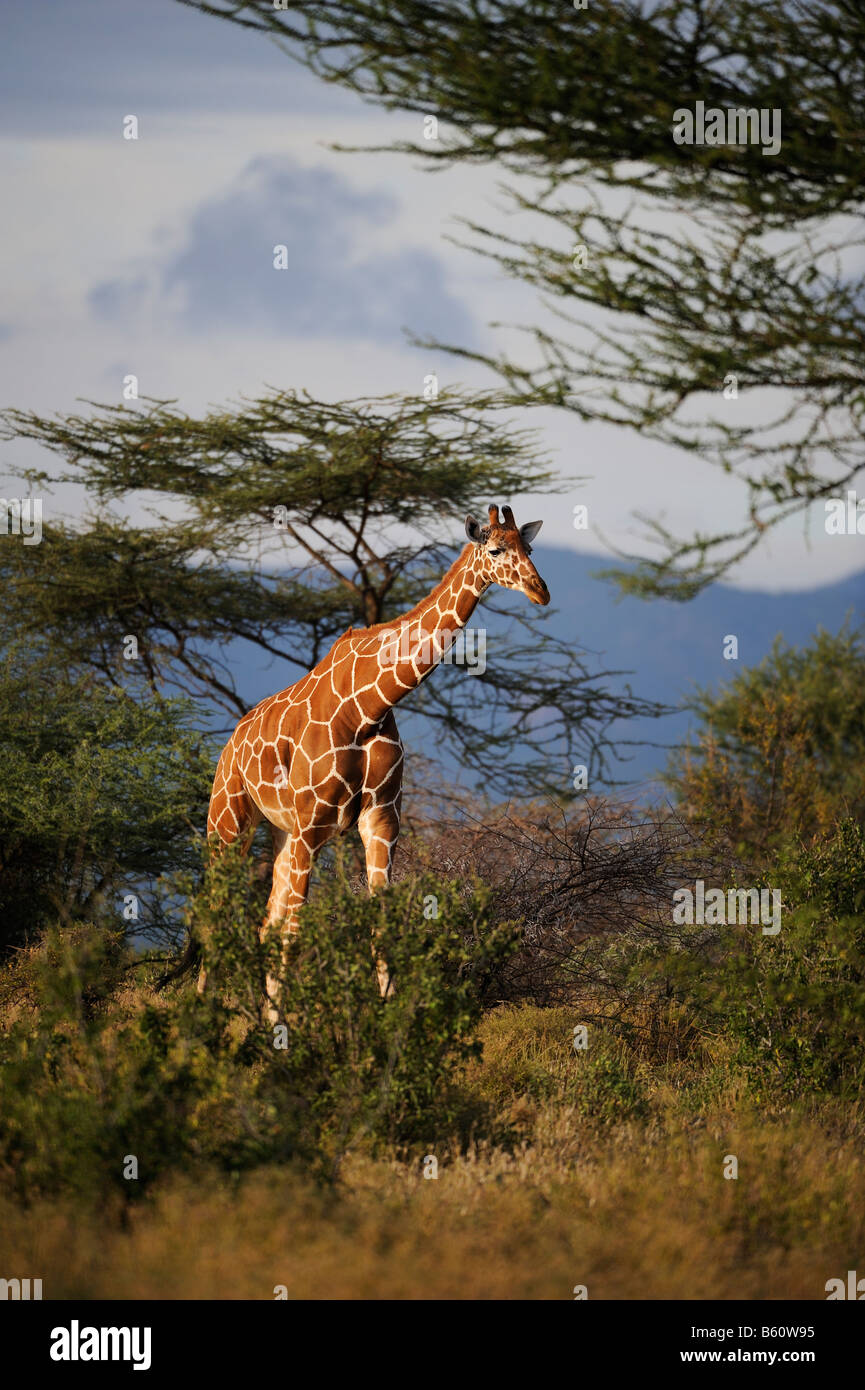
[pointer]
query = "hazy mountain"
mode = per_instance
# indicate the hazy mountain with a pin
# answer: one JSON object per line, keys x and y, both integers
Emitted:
{"x": 673, "y": 647}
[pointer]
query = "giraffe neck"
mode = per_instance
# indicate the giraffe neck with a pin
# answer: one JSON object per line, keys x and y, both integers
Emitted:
{"x": 405, "y": 650}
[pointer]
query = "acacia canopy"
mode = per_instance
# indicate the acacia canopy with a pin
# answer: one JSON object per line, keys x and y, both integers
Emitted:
{"x": 707, "y": 268}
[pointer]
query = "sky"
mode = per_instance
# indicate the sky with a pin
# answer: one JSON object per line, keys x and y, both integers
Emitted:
{"x": 154, "y": 257}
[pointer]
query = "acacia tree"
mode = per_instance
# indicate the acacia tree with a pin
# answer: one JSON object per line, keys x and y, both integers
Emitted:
{"x": 283, "y": 523}
{"x": 717, "y": 268}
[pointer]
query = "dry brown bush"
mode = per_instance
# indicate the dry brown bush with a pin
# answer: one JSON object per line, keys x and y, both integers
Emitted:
{"x": 575, "y": 878}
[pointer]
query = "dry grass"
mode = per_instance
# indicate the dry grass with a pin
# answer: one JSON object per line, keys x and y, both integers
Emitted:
{"x": 632, "y": 1210}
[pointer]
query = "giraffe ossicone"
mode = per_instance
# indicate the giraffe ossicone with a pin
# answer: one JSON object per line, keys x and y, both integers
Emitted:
{"x": 324, "y": 755}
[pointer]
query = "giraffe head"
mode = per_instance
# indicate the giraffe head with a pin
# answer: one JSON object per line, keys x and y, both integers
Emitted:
{"x": 502, "y": 551}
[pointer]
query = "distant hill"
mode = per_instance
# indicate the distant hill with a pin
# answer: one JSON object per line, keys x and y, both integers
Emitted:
{"x": 673, "y": 647}
{"x": 669, "y": 647}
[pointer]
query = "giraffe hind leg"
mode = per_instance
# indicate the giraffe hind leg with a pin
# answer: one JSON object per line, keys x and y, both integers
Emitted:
{"x": 378, "y": 822}
{"x": 294, "y": 852}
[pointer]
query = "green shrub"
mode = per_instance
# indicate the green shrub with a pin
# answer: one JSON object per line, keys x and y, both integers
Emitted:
{"x": 93, "y": 1077}
{"x": 793, "y": 1004}
{"x": 529, "y": 1054}
{"x": 96, "y": 1070}
{"x": 831, "y": 873}
{"x": 364, "y": 1066}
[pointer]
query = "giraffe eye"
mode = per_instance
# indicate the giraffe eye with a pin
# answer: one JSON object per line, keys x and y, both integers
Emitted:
{"x": 495, "y": 552}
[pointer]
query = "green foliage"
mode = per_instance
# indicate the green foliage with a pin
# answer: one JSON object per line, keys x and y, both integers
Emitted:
{"x": 529, "y": 1056}
{"x": 98, "y": 794}
{"x": 384, "y": 1069}
{"x": 175, "y": 1086}
{"x": 286, "y": 501}
{"x": 832, "y": 872}
{"x": 790, "y": 1006}
{"x": 93, "y": 1072}
{"x": 610, "y": 1090}
{"x": 85, "y": 1085}
{"x": 299, "y": 519}
{"x": 552, "y": 90}
{"x": 780, "y": 751}
{"x": 663, "y": 308}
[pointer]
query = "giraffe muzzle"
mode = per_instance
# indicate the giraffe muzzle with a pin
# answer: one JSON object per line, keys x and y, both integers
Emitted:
{"x": 538, "y": 592}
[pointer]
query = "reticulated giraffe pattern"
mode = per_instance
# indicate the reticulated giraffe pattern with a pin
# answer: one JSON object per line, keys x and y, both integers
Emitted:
{"x": 324, "y": 755}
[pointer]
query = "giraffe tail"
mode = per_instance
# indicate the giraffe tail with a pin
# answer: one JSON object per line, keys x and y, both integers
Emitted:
{"x": 190, "y": 958}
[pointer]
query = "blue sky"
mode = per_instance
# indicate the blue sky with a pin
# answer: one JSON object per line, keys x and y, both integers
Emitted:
{"x": 155, "y": 257}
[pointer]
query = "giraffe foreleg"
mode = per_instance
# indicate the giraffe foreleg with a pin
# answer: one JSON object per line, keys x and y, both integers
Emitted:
{"x": 379, "y": 831}
{"x": 292, "y": 866}
{"x": 378, "y": 821}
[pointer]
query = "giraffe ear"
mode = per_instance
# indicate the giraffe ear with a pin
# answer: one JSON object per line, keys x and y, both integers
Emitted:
{"x": 474, "y": 530}
{"x": 529, "y": 531}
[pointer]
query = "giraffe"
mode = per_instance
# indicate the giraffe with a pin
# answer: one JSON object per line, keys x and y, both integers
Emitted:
{"x": 324, "y": 755}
